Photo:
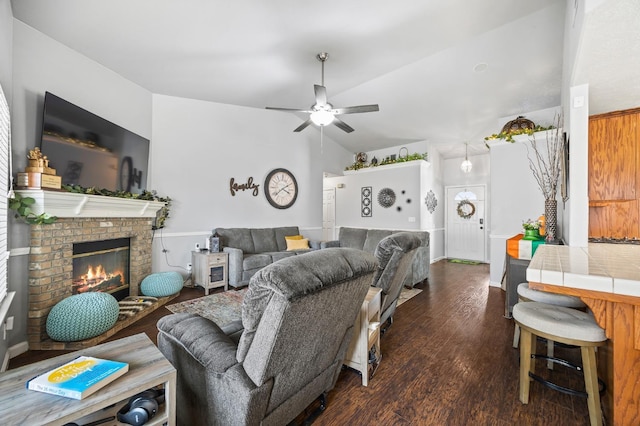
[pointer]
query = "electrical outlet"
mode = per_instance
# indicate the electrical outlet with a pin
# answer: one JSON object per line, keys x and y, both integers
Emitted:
{"x": 189, "y": 266}
{"x": 9, "y": 323}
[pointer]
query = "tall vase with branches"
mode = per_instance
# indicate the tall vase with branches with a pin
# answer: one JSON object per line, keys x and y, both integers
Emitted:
{"x": 546, "y": 164}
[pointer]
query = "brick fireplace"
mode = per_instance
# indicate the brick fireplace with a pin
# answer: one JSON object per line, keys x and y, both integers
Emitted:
{"x": 51, "y": 254}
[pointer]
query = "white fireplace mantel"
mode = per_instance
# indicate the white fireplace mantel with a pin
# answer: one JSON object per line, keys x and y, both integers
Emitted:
{"x": 68, "y": 204}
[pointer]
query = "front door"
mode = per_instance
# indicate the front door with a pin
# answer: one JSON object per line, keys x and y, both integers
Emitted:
{"x": 466, "y": 226}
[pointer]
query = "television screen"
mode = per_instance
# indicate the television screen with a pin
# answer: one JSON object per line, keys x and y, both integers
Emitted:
{"x": 90, "y": 151}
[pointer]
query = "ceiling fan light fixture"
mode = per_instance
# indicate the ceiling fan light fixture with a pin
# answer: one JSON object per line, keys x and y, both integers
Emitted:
{"x": 322, "y": 112}
{"x": 321, "y": 118}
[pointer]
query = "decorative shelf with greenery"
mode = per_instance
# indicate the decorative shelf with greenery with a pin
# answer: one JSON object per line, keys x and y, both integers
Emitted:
{"x": 358, "y": 165}
{"x": 36, "y": 206}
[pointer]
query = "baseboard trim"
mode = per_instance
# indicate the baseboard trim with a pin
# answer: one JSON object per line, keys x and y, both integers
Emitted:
{"x": 5, "y": 363}
{"x": 13, "y": 352}
{"x": 18, "y": 349}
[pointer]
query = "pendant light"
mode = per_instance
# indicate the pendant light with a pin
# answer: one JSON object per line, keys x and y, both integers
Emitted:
{"x": 466, "y": 165}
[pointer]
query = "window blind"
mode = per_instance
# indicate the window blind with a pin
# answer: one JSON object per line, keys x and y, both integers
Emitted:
{"x": 5, "y": 152}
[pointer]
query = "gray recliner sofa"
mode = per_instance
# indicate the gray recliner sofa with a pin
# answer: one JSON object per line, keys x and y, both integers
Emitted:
{"x": 251, "y": 249}
{"x": 298, "y": 318}
{"x": 395, "y": 254}
{"x": 368, "y": 239}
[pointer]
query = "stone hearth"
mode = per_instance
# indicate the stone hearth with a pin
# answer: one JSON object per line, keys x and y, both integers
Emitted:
{"x": 50, "y": 259}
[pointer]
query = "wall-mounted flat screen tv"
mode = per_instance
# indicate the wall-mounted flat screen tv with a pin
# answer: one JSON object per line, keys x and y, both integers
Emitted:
{"x": 90, "y": 151}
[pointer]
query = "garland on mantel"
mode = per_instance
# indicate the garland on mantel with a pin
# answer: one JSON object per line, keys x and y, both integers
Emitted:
{"x": 22, "y": 205}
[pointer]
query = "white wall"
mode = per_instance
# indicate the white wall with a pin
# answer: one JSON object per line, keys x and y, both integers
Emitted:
{"x": 577, "y": 214}
{"x": 428, "y": 178}
{"x": 199, "y": 146}
{"x": 515, "y": 194}
{"x": 403, "y": 178}
{"x": 434, "y": 222}
{"x": 576, "y": 121}
{"x": 6, "y": 48}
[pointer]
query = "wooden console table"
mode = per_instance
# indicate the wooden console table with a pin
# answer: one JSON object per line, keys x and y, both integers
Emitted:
{"x": 147, "y": 368}
{"x": 607, "y": 278}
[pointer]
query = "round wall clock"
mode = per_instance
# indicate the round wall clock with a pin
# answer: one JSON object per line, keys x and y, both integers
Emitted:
{"x": 281, "y": 188}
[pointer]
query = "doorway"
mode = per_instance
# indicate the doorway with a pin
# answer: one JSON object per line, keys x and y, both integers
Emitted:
{"x": 329, "y": 214}
{"x": 466, "y": 223}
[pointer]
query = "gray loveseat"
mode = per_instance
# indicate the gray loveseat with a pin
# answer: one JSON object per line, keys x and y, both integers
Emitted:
{"x": 298, "y": 319}
{"x": 251, "y": 249}
{"x": 368, "y": 239}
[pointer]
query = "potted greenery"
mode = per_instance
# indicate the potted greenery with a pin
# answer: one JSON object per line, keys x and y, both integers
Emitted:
{"x": 531, "y": 230}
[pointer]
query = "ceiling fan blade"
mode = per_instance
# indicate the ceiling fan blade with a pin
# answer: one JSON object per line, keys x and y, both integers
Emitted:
{"x": 321, "y": 94}
{"x": 356, "y": 109}
{"x": 290, "y": 109}
{"x": 303, "y": 126}
{"x": 342, "y": 125}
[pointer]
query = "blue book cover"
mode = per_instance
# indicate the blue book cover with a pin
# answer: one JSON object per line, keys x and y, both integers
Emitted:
{"x": 78, "y": 378}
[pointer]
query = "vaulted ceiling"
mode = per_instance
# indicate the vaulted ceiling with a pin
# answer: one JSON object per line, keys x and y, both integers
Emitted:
{"x": 441, "y": 71}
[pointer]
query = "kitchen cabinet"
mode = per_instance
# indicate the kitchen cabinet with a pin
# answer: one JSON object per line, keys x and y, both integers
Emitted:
{"x": 614, "y": 175}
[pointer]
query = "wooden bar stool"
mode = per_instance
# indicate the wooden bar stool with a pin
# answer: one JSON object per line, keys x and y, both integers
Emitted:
{"x": 565, "y": 325}
{"x": 526, "y": 294}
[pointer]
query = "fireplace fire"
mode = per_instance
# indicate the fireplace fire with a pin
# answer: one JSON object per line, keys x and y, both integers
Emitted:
{"x": 101, "y": 266}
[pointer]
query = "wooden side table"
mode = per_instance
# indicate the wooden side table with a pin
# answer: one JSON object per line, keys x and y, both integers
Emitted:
{"x": 210, "y": 270}
{"x": 367, "y": 339}
{"x": 147, "y": 368}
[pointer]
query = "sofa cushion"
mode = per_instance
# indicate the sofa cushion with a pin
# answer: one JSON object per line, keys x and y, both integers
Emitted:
{"x": 282, "y": 232}
{"x": 258, "y": 260}
{"x": 264, "y": 240}
{"x": 278, "y": 255}
{"x": 297, "y": 244}
{"x": 353, "y": 237}
{"x": 374, "y": 236}
{"x": 239, "y": 238}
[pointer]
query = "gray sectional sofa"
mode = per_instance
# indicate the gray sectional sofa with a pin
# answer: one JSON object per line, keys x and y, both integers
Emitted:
{"x": 251, "y": 249}
{"x": 368, "y": 239}
{"x": 297, "y": 320}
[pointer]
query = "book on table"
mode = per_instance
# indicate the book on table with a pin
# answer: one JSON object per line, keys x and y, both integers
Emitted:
{"x": 78, "y": 378}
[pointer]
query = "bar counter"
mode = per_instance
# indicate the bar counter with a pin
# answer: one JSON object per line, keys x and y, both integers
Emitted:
{"x": 607, "y": 278}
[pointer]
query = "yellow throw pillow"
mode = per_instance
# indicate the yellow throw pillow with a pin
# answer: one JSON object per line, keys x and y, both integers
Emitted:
{"x": 293, "y": 237}
{"x": 297, "y": 244}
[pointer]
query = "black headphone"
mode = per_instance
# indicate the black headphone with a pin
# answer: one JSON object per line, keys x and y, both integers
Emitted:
{"x": 141, "y": 408}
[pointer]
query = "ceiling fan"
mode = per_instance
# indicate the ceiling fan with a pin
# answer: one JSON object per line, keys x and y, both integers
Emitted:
{"x": 322, "y": 113}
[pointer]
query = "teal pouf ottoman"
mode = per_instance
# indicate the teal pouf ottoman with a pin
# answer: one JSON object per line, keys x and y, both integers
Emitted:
{"x": 161, "y": 284}
{"x": 82, "y": 316}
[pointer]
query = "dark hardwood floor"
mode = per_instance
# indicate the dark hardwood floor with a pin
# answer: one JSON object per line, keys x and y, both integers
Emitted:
{"x": 447, "y": 360}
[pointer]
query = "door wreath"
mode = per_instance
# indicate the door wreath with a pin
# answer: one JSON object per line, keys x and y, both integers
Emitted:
{"x": 466, "y": 209}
